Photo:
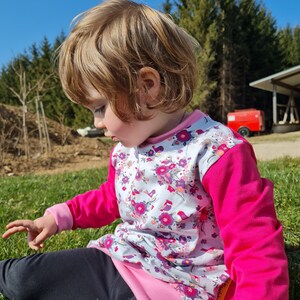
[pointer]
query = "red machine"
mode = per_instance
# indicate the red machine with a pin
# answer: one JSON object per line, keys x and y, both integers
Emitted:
{"x": 246, "y": 121}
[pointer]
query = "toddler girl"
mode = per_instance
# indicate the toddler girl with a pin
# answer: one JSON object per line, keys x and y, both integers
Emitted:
{"x": 198, "y": 221}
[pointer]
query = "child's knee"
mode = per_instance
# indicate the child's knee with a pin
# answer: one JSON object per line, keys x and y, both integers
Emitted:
{"x": 17, "y": 280}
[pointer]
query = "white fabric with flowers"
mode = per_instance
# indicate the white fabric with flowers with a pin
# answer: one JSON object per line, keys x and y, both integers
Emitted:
{"x": 169, "y": 226}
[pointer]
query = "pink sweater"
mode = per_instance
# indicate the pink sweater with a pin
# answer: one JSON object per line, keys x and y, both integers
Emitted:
{"x": 244, "y": 210}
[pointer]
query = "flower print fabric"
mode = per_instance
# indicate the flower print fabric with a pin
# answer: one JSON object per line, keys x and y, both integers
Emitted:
{"x": 169, "y": 227}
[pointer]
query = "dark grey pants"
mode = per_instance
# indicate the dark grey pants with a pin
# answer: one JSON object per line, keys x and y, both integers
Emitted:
{"x": 83, "y": 274}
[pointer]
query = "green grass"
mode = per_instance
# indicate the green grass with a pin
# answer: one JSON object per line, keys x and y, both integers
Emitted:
{"x": 285, "y": 173}
{"x": 29, "y": 196}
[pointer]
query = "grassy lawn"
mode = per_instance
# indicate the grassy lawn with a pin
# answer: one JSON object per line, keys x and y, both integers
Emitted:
{"x": 29, "y": 196}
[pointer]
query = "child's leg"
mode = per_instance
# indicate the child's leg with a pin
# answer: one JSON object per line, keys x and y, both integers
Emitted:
{"x": 71, "y": 274}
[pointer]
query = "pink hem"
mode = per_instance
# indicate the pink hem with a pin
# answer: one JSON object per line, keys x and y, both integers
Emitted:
{"x": 62, "y": 216}
{"x": 143, "y": 285}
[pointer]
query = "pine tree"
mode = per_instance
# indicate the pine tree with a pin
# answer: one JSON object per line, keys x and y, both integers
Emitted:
{"x": 199, "y": 18}
{"x": 296, "y": 46}
{"x": 260, "y": 55}
{"x": 167, "y": 7}
{"x": 239, "y": 44}
{"x": 289, "y": 44}
{"x": 229, "y": 75}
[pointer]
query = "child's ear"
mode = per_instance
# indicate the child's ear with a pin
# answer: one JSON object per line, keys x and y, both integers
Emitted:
{"x": 149, "y": 84}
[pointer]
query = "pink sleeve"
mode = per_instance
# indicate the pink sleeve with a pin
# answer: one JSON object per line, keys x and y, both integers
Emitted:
{"x": 93, "y": 209}
{"x": 253, "y": 242}
{"x": 96, "y": 208}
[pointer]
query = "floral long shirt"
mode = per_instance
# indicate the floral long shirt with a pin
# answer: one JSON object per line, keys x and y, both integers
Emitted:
{"x": 168, "y": 224}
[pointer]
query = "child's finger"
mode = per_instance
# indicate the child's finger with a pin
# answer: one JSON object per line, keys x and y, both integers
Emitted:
{"x": 40, "y": 238}
{"x": 33, "y": 246}
{"x": 18, "y": 226}
{"x": 29, "y": 224}
{"x": 13, "y": 230}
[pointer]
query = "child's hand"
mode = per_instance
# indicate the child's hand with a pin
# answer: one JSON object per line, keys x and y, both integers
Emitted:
{"x": 38, "y": 230}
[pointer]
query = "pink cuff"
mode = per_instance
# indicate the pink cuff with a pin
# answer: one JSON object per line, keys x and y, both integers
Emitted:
{"x": 62, "y": 216}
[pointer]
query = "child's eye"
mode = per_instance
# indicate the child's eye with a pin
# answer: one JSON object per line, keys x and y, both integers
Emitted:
{"x": 99, "y": 110}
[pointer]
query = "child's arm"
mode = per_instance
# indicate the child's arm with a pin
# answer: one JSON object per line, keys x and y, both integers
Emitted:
{"x": 93, "y": 209}
{"x": 253, "y": 242}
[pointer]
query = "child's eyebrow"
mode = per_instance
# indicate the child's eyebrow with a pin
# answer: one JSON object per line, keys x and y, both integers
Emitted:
{"x": 95, "y": 98}
{"x": 93, "y": 103}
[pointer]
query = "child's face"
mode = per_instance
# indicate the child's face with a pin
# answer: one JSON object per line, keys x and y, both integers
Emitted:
{"x": 129, "y": 134}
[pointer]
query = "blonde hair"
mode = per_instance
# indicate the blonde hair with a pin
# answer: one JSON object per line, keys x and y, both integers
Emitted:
{"x": 111, "y": 42}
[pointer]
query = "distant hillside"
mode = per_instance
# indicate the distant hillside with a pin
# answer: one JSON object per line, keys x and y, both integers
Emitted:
{"x": 11, "y": 130}
{"x": 69, "y": 151}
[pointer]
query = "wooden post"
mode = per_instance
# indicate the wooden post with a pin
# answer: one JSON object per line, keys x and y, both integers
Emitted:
{"x": 38, "y": 121}
{"x": 274, "y": 105}
{"x": 46, "y": 128}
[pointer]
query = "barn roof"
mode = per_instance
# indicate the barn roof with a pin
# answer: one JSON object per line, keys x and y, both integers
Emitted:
{"x": 285, "y": 82}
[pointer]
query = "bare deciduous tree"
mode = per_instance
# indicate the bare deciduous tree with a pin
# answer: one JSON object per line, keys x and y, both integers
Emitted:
{"x": 64, "y": 131}
{"x": 6, "y": 135}
{"x": 21, "y": 94}
{"x": 42, "y": 124}
{"x": 25, "y": 88}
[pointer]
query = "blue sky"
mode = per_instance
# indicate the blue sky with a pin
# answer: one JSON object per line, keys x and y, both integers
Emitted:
{"x": 23, "y": 22}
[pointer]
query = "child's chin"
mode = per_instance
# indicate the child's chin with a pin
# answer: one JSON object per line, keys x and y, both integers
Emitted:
{"x": 128, "y": 144}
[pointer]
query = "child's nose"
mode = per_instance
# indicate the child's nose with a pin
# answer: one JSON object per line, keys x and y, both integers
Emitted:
{"x": 98, "y": 123}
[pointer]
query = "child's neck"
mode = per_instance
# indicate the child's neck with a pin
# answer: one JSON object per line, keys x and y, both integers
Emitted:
{"x": 171, "y": 121}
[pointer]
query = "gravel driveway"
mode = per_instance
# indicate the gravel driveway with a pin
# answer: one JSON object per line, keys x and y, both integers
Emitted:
{"x": 273, "y": 146}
